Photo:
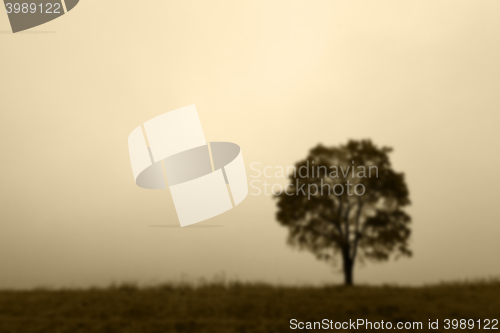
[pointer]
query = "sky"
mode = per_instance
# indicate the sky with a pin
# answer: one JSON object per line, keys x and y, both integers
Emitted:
{"x": 275, "y": 77}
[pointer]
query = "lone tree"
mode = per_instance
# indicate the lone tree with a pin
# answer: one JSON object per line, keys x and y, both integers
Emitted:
{"x": 346, "y": 200}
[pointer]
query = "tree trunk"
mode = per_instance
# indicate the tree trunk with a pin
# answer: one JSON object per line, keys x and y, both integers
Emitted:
{"x": 348, "y": 270}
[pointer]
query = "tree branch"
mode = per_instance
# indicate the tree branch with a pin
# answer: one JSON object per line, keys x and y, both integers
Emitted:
{"x": 346, "y": 220}
{"x": 357, "y": 232}
{"x": 337, "y": 227}
{"x": 339, "y": 214}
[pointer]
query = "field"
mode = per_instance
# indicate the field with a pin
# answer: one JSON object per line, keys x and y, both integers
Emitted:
{"x": 235, "y": 307}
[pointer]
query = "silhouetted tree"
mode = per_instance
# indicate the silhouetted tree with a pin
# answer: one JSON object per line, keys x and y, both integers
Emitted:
{"x": 364, "y": 221}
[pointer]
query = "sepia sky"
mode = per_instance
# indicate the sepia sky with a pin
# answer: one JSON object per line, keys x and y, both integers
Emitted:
{"x": 275, "y": 77}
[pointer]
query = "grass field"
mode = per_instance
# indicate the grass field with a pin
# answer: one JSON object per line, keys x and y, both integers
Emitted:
{"x": 238, "y": 307}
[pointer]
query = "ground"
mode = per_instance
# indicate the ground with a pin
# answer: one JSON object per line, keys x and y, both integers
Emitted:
{"x": 236, "y": 307}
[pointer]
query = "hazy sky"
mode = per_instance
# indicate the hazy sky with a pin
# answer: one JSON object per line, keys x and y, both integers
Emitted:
{"x": 275, "y": 77}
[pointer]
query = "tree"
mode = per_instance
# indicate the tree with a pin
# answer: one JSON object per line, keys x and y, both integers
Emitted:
{"x": 346, "y": 201}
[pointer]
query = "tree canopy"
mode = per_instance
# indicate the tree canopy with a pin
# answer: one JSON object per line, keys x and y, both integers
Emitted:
{"x": 349, "y": 204}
